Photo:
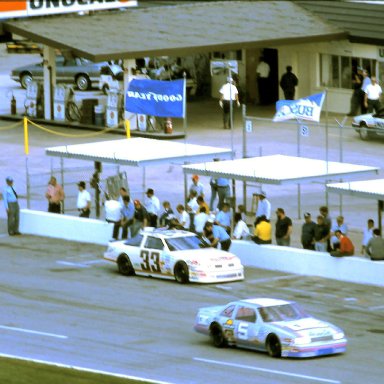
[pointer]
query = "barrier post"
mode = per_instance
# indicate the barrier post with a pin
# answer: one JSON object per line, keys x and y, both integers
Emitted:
{"x": 26, "y": 145}
{"x": 127, "y": 124}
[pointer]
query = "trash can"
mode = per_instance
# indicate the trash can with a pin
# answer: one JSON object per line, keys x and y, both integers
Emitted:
{"x": 88, "y": 111}
{"x": 99, "y": 115}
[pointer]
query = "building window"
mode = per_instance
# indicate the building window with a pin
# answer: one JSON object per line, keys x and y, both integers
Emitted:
{"x": 336, "y": 71}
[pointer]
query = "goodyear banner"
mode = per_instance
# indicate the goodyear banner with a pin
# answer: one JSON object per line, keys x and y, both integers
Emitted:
{"x": 307, "y": 108}
{"x": 156, "y": 97}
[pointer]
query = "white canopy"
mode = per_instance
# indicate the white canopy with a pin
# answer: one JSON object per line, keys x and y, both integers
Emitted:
{"x": 279, "y": 169}
{"x": 139, "y": 152}
{"x": 370, "y": 189}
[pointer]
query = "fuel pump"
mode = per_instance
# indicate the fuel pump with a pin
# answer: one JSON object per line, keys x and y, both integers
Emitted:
{"x": 113, "y": 104}
{"x": 34, "y": 102}
{"x": 61, "y": 96}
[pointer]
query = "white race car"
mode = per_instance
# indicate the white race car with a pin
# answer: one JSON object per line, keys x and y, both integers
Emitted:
{"x": 370, "y": 125}
{"x": 174, "y": 254}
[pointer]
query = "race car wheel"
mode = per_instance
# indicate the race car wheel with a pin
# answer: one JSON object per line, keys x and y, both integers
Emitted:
{"x": 273, "y": 346}
{"x": 181, "y": 272}
{"x": 364, "y": 132}
{"x": 217, "y": 336}
{"x": 125, "y": 266}
{"x": 83, "y": 82}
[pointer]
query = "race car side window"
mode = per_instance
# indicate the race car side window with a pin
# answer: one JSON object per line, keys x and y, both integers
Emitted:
{"x": 246, "y": 314}
{"x": 227, "y": 312}
{"x": 154, "y": 243}
{"x": 135, "y": 241}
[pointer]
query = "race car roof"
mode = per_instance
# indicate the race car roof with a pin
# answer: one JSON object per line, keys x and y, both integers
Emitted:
{"x": 181, "y": 29}
{"x": 279, "y": 169}
{"x": 139, "y": 152}
{"x": 371, "y": 189}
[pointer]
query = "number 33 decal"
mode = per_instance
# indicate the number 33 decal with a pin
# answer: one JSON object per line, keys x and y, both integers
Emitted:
{"x": 151, "y": 261}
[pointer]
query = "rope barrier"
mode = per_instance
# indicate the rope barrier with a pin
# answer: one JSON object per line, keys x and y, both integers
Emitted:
{"x": 11, "y": 126}
{"x": 68, "y": 134}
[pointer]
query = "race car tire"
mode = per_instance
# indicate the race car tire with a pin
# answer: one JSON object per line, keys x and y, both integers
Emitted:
{"x": 217, "y": 336}
{"x": 25, "y": 79}
{"x": 364, "y": 132}
{"x": 181, "y": 272}
{"x": 273, "y": 346}
{"x": 83, "y": 82}
{"x": 124, "y": 265}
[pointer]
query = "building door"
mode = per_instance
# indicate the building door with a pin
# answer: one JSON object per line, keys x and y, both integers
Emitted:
{"x": 271, "y": 57}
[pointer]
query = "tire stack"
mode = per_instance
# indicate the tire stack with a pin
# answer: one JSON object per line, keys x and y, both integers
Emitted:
{"x": 88, "y": 111}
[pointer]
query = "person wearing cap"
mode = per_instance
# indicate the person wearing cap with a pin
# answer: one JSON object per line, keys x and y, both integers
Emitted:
{"x": 228, "y": 94}
{"x": 283, "y": 228}
{"x": 197, "y": 186}
{"x": 11, "y": 205}
{"x": 152, "y": 205}
{"x": 263, "y": 206}
{"x": 83, "y": 200}
{"x": 372, "y": 96}
{"x": 140, "y": 218}
{"x": 308, "y": 232}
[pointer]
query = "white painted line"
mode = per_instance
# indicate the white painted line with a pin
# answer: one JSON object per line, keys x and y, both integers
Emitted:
{"x": 70, "y": 264}
{"x": 82, "y": 369}
{"x": 32, "y": 332}
{"x": 313, "y": 378}
{"x": 275, "y": 278}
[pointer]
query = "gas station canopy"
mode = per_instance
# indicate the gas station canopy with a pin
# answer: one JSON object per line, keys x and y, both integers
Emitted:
{"x": 139, "y": 152}
{"x": 279, "y": 169}
{"x": 177, "y": 30}
{"x": 369, "y": 189}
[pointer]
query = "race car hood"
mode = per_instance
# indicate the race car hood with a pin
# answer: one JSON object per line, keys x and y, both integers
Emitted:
{"x": 212, "y": 255}
{"x": 303, "y": 324}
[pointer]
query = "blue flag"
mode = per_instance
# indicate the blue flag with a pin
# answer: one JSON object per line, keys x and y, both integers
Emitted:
{"x": 156, "y": 97}
{"x": 307, "y": 108}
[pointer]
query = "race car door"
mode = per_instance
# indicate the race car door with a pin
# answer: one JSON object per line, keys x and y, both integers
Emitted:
{"x": 151, "y": 256}
{"x": 247, "y": 327}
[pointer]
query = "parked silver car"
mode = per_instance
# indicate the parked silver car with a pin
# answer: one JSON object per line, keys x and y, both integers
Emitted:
{"x": 83, "y": 73}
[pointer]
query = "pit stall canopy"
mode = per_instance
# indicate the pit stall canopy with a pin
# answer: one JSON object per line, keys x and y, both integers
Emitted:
{"x": 139, "y": 152}
{"x": 279, "y": 170}
{"x": 367, "y": 189}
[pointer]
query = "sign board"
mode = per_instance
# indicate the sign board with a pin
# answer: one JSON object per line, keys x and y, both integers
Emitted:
{"x": 27, "y": 8}
{"x": 248, "y": 126}
{"x": 304, "y": 130}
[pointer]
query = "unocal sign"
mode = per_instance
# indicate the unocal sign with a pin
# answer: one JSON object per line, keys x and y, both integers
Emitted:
{"x": 26, "y": 8}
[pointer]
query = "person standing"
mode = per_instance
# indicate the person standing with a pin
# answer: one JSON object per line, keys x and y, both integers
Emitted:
{"x": 263, "y": 206}
{"x": 152, "y": 205}
{"x": 224, "y": 218}
{"x": 262, "y": 72}
{"x": 288, "y": 83}
{"x": 308, "y": 232}
{"x": 127, "y": 216}
{"x": 375, "y": 246}
{"x": 346, "y": 246}
{"x": 364, "y": 85}
{"x": 197, "y": 186}
{"x": 83, "y": 200}
{"x": 55, "y": 196}
{"x": 12, "y": 208}
{"x": 372, "y": 96}
{"x": 228, "y": 94}
{"x": 182, "y": 217}
{"x": 166, "y": 215}
{"x": 357, "y": 81}
{"x": 140, "y": 218}
{"x": 199, "y": 220}
{"x": 283, "y": 228}
{"x": 223, "y": 191}
{"x": 113, "y": 214}
{"x": 367, "y": 235}
{"x": 322, "y": 234}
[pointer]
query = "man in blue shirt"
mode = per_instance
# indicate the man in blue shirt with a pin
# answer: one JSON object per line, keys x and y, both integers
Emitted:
{"x": 12, "y": 207}
{"x": 223, "y": 191}
{"x": 224, "y": 218}
{"x": 127, "y": 213}
{"x": 216, "y": 234}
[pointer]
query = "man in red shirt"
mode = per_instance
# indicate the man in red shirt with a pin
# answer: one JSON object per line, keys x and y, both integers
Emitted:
{"x": 346, "y": 246}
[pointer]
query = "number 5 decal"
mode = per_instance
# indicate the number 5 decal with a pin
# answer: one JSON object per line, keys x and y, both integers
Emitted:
{"x": 151, "y": 261}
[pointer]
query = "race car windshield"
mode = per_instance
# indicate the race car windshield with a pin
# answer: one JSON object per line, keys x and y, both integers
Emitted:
{"x": 185, "y": 243}
{"x": 284, "y": 312}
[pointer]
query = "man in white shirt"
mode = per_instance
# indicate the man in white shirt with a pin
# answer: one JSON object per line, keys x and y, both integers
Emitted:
{"x": 152, "y": 205}
{"x": 373, "y": 92}
{"x": 83, "y": 200}
{"x": 199, "y": 220}
{"x": 228, "y": 94}
{"x": 262, "y": 71}
{"x": 263, "y": 206}
{"x": 113, "y": 214}
{"x": 241, "y": 230}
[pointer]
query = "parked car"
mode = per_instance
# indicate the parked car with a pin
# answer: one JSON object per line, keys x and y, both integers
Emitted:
{"x": 174, "y": 254}
{"x": 83, "y": 73}
{"x": 278, "y": 327}
{"x": 369, "y": 125}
